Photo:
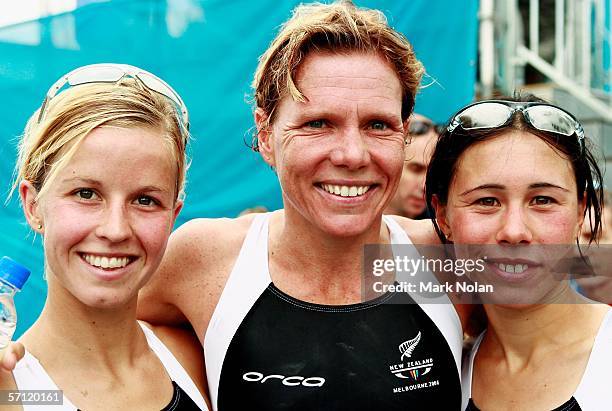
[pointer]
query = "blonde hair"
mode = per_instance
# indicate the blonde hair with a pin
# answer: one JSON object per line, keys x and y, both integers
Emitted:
{"x": 336, "y": 27}
{"x": 47, "y": 147}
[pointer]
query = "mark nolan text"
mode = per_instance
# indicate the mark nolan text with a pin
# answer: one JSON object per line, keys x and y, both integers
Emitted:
{"x": 433, "y": 287}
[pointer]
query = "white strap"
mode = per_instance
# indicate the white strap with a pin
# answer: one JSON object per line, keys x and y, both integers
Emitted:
{"x": 440, "y": 308}
{"x": 468, "y": 371}
{"x": 29, "y": 374}
{"x": 173, "y": 367}
{"x": 594, "y": 391}
{"x": 247, "y": 281}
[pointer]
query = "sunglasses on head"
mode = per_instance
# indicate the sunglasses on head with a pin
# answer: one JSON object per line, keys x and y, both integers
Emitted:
{"x": 491, "y": 114}
{"x": 421, "y": 127}
{"x": 112, "y": 73}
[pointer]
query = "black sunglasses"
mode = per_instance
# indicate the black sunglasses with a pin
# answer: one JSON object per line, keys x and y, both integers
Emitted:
{"x": 422, "y": 127}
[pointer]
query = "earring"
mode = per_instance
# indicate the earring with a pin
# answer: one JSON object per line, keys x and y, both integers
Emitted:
{"x": 39, "y": 226}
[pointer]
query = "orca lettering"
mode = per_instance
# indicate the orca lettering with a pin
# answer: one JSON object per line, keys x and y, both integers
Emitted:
{"x": 292, "y": 381}
{"x": 313, "y": 382}
{"x": 269, "y": 377}
{"x": 252, "y": 376}
{"x": 298, "y": 381}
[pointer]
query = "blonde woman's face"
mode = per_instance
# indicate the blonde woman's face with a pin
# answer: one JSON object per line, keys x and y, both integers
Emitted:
{"x": 107, "y": 216}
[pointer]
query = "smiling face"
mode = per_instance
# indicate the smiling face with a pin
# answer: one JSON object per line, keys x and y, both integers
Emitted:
{"x": 514, "y": 190}
{"x": 339, "y": 154}
{"x": 107, "y": 215}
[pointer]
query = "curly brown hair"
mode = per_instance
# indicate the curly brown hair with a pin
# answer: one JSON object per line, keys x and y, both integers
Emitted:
{"x": 336, "y": 27}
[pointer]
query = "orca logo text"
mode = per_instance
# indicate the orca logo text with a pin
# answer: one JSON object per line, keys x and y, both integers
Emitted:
{"x": 291, "y": 381}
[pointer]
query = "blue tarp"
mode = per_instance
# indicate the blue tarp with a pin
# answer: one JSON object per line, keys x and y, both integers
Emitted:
{"x": 207, "y": 50}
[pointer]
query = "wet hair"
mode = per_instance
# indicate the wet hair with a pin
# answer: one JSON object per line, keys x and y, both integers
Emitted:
{"x": 47, "y": 146}
{"x": 452, "y": 144}
{"x": 339, "y": 27}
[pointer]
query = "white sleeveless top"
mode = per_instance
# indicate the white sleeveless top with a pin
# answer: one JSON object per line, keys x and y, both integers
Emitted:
{"x": 29, "y": 374}
{"x": 250, "y": 277}
{"x": 594, "y": 392}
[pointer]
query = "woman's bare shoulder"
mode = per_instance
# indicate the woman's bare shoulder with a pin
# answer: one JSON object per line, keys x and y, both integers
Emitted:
{"x": 419, "y": 231}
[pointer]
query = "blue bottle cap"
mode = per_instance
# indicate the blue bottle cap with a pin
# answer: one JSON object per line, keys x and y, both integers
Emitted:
{"x": 13, "y": 272}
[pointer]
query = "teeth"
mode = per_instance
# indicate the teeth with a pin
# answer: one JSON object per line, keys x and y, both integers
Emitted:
{"x": 512, "y": 269}
{"x": 105, "y": 262}
{"x": 345, "y": 191}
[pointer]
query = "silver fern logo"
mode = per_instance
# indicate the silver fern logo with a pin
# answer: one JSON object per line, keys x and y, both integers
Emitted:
{"x": 407, "y": 347}
{"x": 411, "y": 368}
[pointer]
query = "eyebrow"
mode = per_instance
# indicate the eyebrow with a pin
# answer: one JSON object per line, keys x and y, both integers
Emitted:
{"x": 502, "y": 187}
{"x": 148, "y": 189}
{"x": 313, "y": 110}
{"x": 92, "y": 182}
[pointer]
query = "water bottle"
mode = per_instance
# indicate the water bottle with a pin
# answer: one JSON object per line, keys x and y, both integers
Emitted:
{"x": 12, "y": 277}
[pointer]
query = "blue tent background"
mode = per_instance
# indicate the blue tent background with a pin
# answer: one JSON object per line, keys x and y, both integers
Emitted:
{"x": 207, "y": 50}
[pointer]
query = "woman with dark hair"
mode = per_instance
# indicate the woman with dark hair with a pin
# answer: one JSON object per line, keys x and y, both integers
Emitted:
{"x": 517, "y": 176}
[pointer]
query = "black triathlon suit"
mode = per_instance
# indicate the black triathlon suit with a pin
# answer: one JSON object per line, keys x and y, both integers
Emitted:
{"x": 268, "y": 351}
{"x": 181, "y": 401}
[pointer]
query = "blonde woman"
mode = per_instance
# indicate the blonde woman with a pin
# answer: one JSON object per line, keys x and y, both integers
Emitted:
{"x": 100, "y": 174}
